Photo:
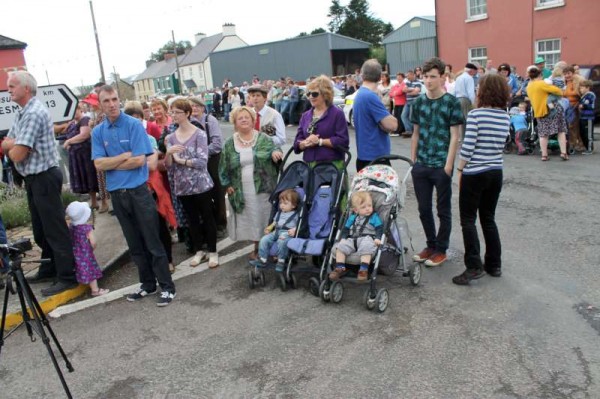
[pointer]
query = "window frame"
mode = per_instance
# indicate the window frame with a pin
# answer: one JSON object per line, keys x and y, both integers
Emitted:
{"x": 476, "y": 17}
{"x": 545, "y": 53}
{"x": 545, "y": 4}
{"x": 480, "y": 60}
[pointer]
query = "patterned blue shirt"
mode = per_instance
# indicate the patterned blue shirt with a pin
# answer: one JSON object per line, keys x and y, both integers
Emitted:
{"x": 588, "y": 100}
{"x": 434, "y": 118}
{"x": 33, "y": 128}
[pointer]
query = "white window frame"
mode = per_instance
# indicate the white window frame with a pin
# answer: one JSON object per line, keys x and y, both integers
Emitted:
{"x": 482, "y": 59}
{"x": 479, "y": 16}
{"x": 545, "y": 4}
{"x": 545, "y": 53}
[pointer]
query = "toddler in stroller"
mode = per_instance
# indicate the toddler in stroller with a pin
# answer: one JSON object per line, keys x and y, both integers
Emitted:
{"x": 361, "y": 235}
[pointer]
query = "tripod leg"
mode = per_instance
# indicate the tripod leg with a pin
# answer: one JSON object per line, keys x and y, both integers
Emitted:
{"x": 4, "y": 308}
{"x": 37, "y": 314}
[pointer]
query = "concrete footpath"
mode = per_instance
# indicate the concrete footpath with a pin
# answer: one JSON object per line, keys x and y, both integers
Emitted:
{"x": 111, "y": 250}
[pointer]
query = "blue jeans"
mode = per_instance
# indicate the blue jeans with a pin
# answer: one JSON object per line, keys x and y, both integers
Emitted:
{"x": 292, "y": 111}
{"x": 281, "y": 237}
{"x": 226, "y": 110}
{"x": 136, "y": 211}
{"x": 285, "y": 106}
{"x": 408, "y": 126}
{"x": 425, "y": 179}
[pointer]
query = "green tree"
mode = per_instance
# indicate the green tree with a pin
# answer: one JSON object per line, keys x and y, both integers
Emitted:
{"x": 337, "y": 13}
{"x": 317, "y": 31}
{"x": 169, "y": 48}
{"x": 356, "y": 21}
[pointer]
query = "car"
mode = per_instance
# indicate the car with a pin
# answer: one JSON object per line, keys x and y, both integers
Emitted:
{"x": 592, "y": 72}
{"x": 304, "y": 104}
{"x": 348, "y": 102}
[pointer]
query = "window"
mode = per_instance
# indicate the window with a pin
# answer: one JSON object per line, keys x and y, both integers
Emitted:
{"x": 478, "y": 55}
{"x": 549, "y": 3}
{"x": 476, "y": 9}
{"x": 550, "y": 50}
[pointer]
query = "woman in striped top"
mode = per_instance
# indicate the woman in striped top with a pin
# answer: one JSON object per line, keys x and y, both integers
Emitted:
{"x": 480, "y": 177}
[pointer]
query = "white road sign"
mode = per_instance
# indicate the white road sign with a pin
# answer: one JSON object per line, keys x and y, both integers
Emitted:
{"x": 59, "y": 99}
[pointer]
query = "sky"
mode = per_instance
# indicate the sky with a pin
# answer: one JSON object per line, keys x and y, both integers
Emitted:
{"x": 61, "y": 47}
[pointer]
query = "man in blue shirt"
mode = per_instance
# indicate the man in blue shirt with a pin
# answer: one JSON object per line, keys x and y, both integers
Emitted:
{"x": 412, "y": 89}
{"x": 31, "y": 146}
{"x": 120, "y": 147}
{"x": 373, "y": 123}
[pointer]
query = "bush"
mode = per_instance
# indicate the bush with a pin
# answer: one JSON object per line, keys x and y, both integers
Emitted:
{"x": 68, "y": 197}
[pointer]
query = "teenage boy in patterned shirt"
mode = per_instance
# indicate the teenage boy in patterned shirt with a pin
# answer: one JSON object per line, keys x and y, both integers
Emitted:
{"x": 437, "y": 117}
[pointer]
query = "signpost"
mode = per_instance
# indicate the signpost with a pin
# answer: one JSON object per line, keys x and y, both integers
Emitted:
{"x": 59, "y": 99}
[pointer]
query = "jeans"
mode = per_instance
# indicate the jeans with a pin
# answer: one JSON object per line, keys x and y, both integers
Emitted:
{"x": 398, "y": 114}
{"x": 285, "y": 106}
{"x": 226, "y": 111}
{"x": 136, "y": 211}
{"x": 281, "y": 237}
{"x": 292, "y": 111}
{"x": 50, "y": 230}
{"x": 586, "y": 131}
{"x": 425, "y": 179}
{"x": 408, "y": 126}
{"x": 479, "y": 193}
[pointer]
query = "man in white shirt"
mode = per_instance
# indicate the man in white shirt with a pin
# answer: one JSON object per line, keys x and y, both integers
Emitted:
{"x": 464, "y": 90}
{"x": 268, "y": 120}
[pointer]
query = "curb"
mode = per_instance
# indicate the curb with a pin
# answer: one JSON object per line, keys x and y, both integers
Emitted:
{"x": 51, "y": 303}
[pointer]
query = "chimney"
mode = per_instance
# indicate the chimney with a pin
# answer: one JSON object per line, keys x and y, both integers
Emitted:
{"x": 149, "y": 62}
{"x": 199, "y": 36}
{"x": 168, "y": 56}
{"x": 228, "y": 29}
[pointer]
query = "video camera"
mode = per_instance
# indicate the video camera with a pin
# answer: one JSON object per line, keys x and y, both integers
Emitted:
{"x": 14, "y": 249}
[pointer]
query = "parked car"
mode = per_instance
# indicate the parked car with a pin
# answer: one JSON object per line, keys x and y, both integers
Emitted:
{"x": 592, "y": 72}
{"x": 304, "y": 104}
{"x": 349, "y": 101}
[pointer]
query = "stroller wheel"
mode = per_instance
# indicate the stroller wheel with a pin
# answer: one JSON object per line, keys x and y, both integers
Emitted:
{"x": 251, "y": 278}
{"x": 313, "y": 286}
{"x": 337, "y": 292}
{"x": 261, "y": 278}
{"x": 414, "y": 274}
{"x": 324, "y": 291}
{"x": 293, "y": 281}
{"x": 369, "y": 300}
{"x": 382, "y": 300}
{"x": 282, "y": 282}
{"x": 530, "y": 151}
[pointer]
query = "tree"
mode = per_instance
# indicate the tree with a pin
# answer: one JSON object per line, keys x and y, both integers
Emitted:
{"x": 168, "y": 48}
{"x": 356, "y": 21}
{"x": 313, "y": 32}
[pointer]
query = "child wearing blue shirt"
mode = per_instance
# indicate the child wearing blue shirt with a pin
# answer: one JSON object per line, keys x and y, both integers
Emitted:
{"x": 518, "y": 121}
{"x": 587, "y": 105}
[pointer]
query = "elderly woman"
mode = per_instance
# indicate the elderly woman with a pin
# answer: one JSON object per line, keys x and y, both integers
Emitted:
{"x": 187, "y": 159}
{"x": 572, "y": 81}
{"x": 480, "y": 177}
{"x": 82, "y": 172}
{"x": 248, "y": 172}
{"x": 549, "y": 123}
{"x": 211, "y": 126}
{"x": 323, "y": 127}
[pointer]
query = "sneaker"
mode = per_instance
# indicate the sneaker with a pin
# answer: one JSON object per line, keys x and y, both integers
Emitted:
{"x": 586, "y": 152}
{"x": 394, "y": 134}
{"x": 493, "y": 271}
{"x": 436, "y": 259}
{"x": 423, "y": 255}
{"x": 337, "y": 273}
{"x": 467, "y": 275}
{"x": 280, "y": 266}
{"x": 165, "y": 298}
{"x": 363, "y": 274}
{"x": 59, "y": 287}
{"x": 139, "y": 294}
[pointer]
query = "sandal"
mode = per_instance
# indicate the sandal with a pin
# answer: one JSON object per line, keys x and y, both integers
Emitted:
{"x": 213, "y": 260}
{"x": 544, "y": 158}
{"x": 199, "y": 258}
{"x": 253, "y": 255}
{"x": 564, "y": 156}
{"x": 171, "y": 268}
{"x": 101, "y": 291}
{"x": 103, "y": 209}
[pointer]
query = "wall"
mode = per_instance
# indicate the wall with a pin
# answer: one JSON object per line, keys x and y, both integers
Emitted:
{"x": 9, "y": 59}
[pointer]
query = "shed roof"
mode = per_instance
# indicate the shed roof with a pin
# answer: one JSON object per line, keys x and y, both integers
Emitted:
{"x": 6, "y": 43}
{"x": 407, "y": 31}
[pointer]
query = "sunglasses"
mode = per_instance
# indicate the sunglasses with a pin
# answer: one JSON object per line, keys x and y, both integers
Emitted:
{"x": 313, "y": 94}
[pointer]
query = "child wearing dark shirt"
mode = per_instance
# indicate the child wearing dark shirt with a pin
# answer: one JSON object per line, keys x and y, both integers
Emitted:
{"x": 587, "y": 105}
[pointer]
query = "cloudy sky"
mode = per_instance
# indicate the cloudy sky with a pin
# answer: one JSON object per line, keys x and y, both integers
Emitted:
{"x": 62, "y": 49}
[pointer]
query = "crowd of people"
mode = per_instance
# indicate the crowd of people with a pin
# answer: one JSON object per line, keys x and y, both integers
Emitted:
{"x": 166, "y": 167}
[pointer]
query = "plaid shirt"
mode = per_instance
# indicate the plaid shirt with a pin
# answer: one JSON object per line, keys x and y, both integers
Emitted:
{"x": 33, "y": 128}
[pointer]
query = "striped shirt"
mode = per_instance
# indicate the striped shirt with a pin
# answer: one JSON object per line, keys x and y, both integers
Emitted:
{"x": 33, "y": 128}
{"x": 485, "y": 136}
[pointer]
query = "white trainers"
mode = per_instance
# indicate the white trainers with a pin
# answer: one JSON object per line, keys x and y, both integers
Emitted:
{"x": 198, "y": 258}
{"x": 213, "y": 260}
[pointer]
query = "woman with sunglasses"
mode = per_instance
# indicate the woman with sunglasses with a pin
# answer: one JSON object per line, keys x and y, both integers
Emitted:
{"x": 323, "y": 127}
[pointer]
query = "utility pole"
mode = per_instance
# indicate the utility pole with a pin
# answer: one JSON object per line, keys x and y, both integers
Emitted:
{"x": 117, "y": 82}
{"x": 176, "y": 63}
{"x": 97, "y": 42}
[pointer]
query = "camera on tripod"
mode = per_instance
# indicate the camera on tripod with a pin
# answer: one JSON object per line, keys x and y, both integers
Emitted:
{"x": 16, "y": 249}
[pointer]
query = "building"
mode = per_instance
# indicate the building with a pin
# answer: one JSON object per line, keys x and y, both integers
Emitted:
{"x": 12, "y": 58}
{"x": 298, "y": 58}
{"x": 411, "y": 44}
{"x": 195, "y": 69}
{"x": 517, "y": 31}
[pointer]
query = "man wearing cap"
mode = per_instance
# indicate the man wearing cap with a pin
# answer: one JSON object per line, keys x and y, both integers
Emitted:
{"x": 540, "y": 62}
{"x": 268, "y": 120}
{"x": 464, "y": 90}
{"x": 31, "y": 146}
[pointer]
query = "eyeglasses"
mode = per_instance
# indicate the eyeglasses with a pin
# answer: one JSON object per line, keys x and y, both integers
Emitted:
{"x": 176, "y": 112}
{"x": 313, "y": 94}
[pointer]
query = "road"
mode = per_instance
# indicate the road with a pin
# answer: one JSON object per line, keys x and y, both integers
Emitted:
{"x": 533, "y": 333}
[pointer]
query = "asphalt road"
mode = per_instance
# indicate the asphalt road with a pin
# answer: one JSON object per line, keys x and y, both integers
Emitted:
{"x": 533, "y": 333}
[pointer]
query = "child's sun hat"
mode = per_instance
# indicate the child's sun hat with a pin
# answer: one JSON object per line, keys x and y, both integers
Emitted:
{"x": 78, "y": 212}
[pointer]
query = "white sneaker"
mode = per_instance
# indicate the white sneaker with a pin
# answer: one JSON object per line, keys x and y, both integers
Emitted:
{"x": 213, "y": 260}
{"x": 198, "y": 258}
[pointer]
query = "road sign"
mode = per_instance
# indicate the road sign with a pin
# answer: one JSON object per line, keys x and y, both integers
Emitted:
{"x": 59, "y": 99}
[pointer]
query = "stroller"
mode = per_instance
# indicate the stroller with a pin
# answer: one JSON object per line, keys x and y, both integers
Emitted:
{"x": 524, "y": 140}
{"x": 388, "y": 195}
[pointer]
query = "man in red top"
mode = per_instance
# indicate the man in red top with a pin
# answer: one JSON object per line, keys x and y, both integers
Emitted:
{"x": 399, "y": 97}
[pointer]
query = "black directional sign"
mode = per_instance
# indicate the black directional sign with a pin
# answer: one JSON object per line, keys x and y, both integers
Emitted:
{"x": 59, "y": 99}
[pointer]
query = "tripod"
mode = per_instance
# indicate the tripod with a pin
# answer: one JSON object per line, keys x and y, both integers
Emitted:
{"x": 35, "y": 320}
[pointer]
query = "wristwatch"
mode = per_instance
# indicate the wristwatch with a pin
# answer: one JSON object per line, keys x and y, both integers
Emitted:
{"x": 320, "y": 142}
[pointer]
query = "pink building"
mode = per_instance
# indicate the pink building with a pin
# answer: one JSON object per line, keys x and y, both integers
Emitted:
{"x": 518, "y": 31}
{"x": 11, "y": 58}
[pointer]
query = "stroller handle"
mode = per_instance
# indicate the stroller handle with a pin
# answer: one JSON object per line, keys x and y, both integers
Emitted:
{"x": 392, "y": 157}
{"x": 347, "y": 155}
